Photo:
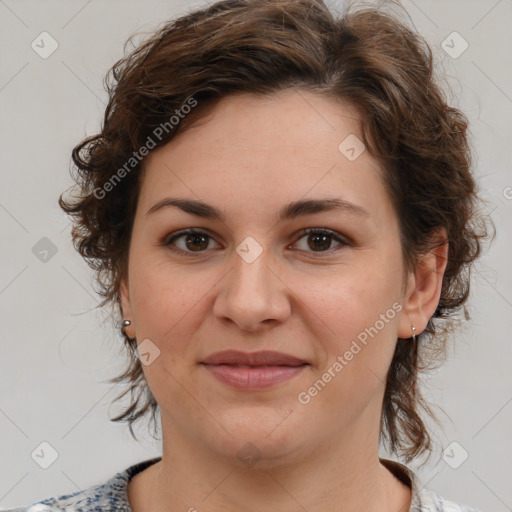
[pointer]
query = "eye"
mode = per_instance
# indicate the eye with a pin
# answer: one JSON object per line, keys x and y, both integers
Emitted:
{"x": 319, "y": 240}
{"x": 193, "y": 241}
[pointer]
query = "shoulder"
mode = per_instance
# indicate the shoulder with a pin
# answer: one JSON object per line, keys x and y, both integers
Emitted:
{"x": 111, "y": 495}
{"x": 95, "y": 498}
{"x": 423, "y": 499}
{"x": 428, "y": 500}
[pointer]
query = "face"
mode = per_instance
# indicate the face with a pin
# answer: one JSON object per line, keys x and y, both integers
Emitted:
{"x": 295, "y": 264}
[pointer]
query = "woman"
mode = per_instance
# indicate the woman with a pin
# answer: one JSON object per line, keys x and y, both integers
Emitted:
{"x": 281, "y": 203}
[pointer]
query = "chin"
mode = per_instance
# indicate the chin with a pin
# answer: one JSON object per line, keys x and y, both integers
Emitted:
{"x": 264, "y": 436}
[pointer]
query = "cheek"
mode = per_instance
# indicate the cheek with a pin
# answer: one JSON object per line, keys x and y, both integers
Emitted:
{"x": 352, "y": 300}
{"x": 360, "y": 308}
{"x": 362, "y": 313}
{"x": 168, "y": 302}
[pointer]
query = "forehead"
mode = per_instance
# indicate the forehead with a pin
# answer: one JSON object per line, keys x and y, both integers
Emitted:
{"x": 259, "y": 149}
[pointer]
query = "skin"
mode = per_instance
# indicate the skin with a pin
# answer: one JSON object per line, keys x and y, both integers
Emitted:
{"x": 248, "y": 158}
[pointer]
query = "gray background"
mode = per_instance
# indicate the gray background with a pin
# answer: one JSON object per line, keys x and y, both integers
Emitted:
{"x": 57, "y": 349}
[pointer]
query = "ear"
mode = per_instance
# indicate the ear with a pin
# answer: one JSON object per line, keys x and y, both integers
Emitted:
{"x": 126, "y": 309}
{"x": 424, "y": 287}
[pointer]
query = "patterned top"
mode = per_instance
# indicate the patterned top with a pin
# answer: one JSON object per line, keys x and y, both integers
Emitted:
{"x": 112, "y": 495}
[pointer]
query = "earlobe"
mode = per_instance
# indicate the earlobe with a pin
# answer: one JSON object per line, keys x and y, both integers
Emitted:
{"x": 424, "y": 287}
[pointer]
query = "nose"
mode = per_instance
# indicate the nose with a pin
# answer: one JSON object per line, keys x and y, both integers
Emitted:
{"x": 252, "y": 295}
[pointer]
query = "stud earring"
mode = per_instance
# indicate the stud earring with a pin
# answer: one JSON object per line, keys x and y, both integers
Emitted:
{"x": 124, "y": 324}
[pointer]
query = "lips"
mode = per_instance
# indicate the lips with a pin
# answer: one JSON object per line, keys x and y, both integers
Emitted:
{"x": 253, "y": 370}
{"x": 262, "y": 358}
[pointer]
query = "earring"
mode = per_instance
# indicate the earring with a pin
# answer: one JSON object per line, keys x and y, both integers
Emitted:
{"x": 413, "y": 334}
{"x": 125, "y": 323}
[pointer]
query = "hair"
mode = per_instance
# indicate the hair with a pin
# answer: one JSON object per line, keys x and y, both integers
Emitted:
{"x": 367, "y": 58}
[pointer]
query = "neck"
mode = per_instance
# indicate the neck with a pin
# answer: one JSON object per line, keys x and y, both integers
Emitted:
{"x": 346, "y": 475}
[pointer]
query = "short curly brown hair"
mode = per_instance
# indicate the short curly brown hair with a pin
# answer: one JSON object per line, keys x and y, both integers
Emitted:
{"x": 366, "y": 57}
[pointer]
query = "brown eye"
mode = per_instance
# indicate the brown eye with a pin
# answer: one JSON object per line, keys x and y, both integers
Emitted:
{"x": 196, "y": 242}
{"x": 319, "y": 240}
{"x": 190, "y": 241}
{"x": 312, "y": 240}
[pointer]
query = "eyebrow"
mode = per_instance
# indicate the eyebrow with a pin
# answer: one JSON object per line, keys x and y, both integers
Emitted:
{"x": 292, "y": 210}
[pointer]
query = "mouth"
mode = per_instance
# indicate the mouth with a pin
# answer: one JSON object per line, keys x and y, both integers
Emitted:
{"x": 253, "y": 370}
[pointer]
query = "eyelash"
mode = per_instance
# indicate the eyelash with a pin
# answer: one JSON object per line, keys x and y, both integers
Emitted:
{"x": 308, "y": 231}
